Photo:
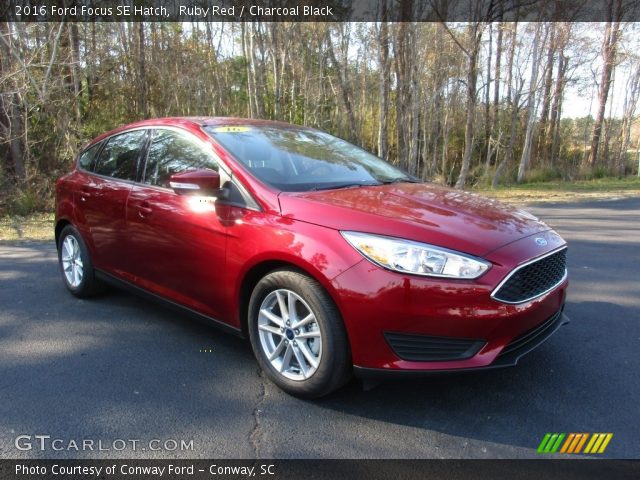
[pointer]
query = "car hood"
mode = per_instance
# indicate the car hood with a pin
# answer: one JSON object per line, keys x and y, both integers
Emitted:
{"x": 422, "y": 212}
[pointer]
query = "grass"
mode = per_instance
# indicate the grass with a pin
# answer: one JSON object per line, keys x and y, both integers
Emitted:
{"x": 34, "y": 227}
{"x": 558, "y": 191}
{"x": 39, "y": 226}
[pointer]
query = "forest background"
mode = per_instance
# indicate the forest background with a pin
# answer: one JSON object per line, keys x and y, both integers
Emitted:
{"x": 483, "y": 105}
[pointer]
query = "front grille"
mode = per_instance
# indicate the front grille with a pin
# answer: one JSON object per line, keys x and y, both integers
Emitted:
{"x": 420, "y": 348}
{"x": 531, "y": 336}
{"x": 533, "y": 279}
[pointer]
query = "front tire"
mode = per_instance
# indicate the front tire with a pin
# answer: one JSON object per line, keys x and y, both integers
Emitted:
{"x": 297, "y": 335}
{"x": 75, "y": 264}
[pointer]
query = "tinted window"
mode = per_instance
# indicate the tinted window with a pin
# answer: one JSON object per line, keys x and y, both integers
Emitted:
{"x": 171, "y": 152}
{"x": 119, "y": 156}
{"x": 86, "y": 158}
{"x": 300, "y": 159}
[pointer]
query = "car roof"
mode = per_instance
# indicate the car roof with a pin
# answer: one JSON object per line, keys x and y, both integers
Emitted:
{"x": 191, "y": 123}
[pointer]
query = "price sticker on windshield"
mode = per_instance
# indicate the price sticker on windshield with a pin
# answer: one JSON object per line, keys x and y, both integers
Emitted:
{"x": 231, "y": 129}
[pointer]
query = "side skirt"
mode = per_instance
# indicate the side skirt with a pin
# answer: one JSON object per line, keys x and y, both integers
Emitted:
{"x": 124, "y": 285}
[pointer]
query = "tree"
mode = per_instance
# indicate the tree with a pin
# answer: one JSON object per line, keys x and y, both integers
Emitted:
{"x": 474, "y": 37}
{"x": 384, "y": 74}
{"x": 632, "y": 92}
{"x": 513, "y": 99}
{"x": 609, "y": 47}
{"x": 142, "y": 73}
{"x": 343, "y": 80}
{"x": 531, "y": 107}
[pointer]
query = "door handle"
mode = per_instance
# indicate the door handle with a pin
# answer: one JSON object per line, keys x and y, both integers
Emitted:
{"x": 144, "y": 210}
{"x": 84, "y": 195}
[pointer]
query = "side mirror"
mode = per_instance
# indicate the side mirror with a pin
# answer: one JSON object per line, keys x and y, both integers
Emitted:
{"x": 196, "y": 182}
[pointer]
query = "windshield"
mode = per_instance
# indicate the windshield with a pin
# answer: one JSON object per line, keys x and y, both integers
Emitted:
{"x": 300, "y": 159}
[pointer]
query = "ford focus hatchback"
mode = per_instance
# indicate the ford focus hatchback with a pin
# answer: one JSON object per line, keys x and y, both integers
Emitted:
{"x": 330, "y": 260}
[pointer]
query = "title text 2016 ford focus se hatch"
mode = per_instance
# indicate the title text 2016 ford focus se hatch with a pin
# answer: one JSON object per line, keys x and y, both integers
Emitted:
{"x": 329, "y": 259}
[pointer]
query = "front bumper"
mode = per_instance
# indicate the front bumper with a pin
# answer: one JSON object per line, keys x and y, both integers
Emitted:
{"x": 377, "y": 304}
{"x": 507, "y": 358}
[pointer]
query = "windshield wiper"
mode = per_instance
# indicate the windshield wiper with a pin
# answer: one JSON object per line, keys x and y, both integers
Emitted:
{"x": 344, "y": 185}
{"x": 399, "y": 180}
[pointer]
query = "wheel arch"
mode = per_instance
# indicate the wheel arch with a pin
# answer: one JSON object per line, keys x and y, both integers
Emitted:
{"x": 256, "y": 272}
{"x": 60, "y": 224}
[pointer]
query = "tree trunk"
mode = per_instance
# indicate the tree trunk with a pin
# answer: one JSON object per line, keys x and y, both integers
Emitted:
{"x": 554, "y": 121}
{"x": 609, "y": 47}
{"x": 344, "y": 88}
{"x": 496, "y": 104}
{"x": 513, "y": 97}
{"x": 383, "y": 61}
{"x": 531, "y": 110}
{"x": 474, "y": 31}
{"x": 11, "y": 116}
{"x": 142, "y": 73}
{"x": 401, "y": 64}
{"x": 508, "y": 156}
{"x": 75, "y": 68}
{"x": 487, "y": 102}
{"x": 437, "y": 125}
{"x": 496, "y": 79}
{"x": 256, "y": 73}
{"x": 630, "y": 103}
{"x": 546, "y": 96}
{"x": 414, "y": 115}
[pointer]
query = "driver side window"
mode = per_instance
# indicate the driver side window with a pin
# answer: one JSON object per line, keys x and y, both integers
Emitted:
{"x": 172, "y": 152}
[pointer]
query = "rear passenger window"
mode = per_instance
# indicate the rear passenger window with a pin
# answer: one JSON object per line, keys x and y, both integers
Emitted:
{"x": 119, "y": 156}
{"x": 171, "y": 152}
{"x": 88, "y": 156}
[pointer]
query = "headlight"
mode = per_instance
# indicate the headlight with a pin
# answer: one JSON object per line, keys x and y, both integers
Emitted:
{"x": 407, "y": 256}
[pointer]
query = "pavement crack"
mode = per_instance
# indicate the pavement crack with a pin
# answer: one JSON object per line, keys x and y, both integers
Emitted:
{"x": 255, "y": 435}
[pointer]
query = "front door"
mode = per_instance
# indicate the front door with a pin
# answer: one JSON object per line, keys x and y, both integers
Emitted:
{"x": 176, "y": 242}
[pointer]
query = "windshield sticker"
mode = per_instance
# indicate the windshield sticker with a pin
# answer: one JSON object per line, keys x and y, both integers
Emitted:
{"x": 231, "y": 129}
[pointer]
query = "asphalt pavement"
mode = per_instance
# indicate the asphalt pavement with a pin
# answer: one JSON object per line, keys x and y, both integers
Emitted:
{"x": 120, "y": 370}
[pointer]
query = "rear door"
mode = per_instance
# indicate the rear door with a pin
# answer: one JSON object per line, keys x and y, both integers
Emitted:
{"x": 102, "y": 198}
{"x": 177, "y": 242}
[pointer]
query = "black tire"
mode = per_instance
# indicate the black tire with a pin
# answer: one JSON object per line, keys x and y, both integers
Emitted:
{"x": 89, "y": 285}
{"x": 334, "y": 367}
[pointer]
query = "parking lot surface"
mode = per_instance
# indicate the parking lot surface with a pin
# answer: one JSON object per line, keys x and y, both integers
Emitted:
{"x": 121, "y": 368}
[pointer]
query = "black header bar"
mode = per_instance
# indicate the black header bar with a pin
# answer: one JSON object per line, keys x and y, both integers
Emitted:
{"x": 319, "y": 11}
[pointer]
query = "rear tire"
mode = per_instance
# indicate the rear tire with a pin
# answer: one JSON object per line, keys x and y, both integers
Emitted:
{"x": 75, "y": 263}
{"x": 297, "y": 335}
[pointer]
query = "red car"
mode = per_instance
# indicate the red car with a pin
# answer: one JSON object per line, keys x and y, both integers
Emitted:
{"x": 329, "y": 259}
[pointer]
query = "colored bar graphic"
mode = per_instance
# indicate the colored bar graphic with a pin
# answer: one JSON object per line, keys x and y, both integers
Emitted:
{"x": 543, "y": 443}
{"x": 590, "y": 444}
{"x": 567, "y": 443}
{"x": 598, "y": 443}
{"x": 550, "y": 443}
{"x": 576, "y": 439}
{"x": 574, "y": 442}
{"x": 556, "y": 445}
{"x": 596, "y": 446}
{"x": 606, "y": 442}
{"x": 584, "y": 439}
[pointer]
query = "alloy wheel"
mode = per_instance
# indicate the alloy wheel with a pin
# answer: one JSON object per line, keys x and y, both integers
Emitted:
{"x": 289, "y": 334}
{"x": 72, "y": 261}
